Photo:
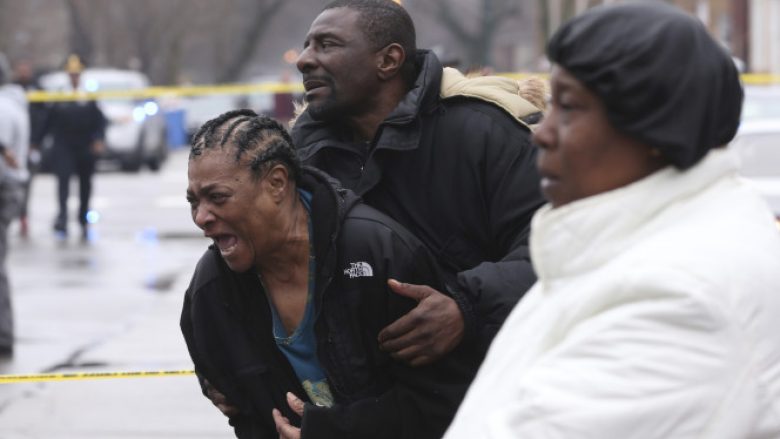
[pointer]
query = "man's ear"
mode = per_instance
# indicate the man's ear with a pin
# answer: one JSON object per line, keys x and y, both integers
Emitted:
{"x": 389, "y": 61}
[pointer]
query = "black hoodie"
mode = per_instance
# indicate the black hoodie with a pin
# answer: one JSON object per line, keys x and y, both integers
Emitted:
{"x": 226, "y": 322}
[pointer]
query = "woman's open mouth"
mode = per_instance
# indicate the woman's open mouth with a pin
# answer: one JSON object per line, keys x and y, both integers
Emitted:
{"x": 226, "y": 244}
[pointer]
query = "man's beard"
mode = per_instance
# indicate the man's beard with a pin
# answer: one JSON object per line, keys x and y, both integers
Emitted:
{"x": 325, "y": 111}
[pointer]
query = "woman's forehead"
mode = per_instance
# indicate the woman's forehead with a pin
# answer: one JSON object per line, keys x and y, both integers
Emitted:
{"x": 214, "y": 162}
{"x": 562, "y": 80}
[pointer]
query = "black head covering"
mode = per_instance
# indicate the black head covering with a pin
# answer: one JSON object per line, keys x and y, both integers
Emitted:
{"x": 662, "y": 78}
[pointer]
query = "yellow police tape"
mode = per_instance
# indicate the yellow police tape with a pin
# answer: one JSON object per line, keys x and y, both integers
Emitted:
{"x": 161, "y": 92}
{"x": 267, "y": 87}
{"x": 48, "y": 377}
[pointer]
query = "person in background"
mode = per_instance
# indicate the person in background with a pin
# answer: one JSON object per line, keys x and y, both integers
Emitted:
{"x": 24, "y": 76}
{"x": 284, "y": 101}
{"x": 283, "y": 310}
{"x": 14, "y": 141}
{"x": 78, "y": 129}
{"x": 457, "y": 170}
{"x": 656, "y": 310}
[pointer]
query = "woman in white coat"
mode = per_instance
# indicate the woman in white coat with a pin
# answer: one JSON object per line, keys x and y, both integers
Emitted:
{"x": 657, "y": 310}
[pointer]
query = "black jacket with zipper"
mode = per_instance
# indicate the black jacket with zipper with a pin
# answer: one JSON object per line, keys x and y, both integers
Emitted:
{"x": 226, "y": 321}
{"x": 460, "y": 174}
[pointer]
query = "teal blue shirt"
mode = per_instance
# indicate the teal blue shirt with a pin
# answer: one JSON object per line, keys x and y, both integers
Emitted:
{"x": 300, "y": 347}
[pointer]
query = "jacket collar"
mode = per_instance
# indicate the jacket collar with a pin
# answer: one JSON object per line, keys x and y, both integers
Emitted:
{"x": 505, "y": 93}
{"x": 590, "y": 232}
{"x": 330, "y": 204}
{"x": 424, "y": 95}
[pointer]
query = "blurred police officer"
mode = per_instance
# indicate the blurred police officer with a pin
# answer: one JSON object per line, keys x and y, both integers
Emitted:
{"x": 77, "y": 128}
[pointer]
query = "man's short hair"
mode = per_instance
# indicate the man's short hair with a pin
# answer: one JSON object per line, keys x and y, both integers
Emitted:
{"x": 384, "y": 22}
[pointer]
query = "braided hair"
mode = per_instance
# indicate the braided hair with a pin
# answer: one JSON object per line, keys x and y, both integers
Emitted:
{"x": 263, "y": 140}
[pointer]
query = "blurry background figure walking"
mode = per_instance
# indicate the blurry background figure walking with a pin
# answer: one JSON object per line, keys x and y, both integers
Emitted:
{"x": 77, "y": 128}
{"x": 14, "y": 138}
{"x": 24, "y": 76}
{"x": 284, "y": 102}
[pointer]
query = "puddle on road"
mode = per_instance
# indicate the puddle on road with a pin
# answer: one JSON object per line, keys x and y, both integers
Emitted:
{"x": 70, "y": 283}
{"x": 77, "y": 262}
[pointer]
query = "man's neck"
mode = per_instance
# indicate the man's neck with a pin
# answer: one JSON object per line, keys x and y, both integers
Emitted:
{"x": 365, "y": 125}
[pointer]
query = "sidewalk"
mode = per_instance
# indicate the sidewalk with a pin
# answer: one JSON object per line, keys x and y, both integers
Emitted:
{"x": 154, "y": 407}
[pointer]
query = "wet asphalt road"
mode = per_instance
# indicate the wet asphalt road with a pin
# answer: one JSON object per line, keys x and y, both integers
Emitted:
{"x": 110, "y": 304}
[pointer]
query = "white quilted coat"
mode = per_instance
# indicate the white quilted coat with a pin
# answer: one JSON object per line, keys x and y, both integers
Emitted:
{"x": 656, "y": 315}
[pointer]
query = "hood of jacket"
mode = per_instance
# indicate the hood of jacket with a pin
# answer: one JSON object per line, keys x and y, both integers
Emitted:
{"x": 329, "y": 205}
{"x": 520, "y": 99}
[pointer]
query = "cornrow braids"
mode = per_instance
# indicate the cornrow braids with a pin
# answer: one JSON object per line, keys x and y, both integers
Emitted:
{"x": 261, "y": 138}
{"x": 202, "y": 138}
{"x": 229, "y": 131}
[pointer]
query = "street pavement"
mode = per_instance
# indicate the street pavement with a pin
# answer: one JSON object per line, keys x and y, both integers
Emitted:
{"x": 110, "y": 304}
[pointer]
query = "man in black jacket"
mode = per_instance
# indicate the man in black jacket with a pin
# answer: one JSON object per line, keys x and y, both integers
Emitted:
{"x": 78, "y": 130}
{"x": 458, "y": 172}
{"x": 292, "y": 295}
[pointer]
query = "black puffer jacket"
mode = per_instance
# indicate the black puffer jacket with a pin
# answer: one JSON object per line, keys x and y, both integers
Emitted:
{"x": 74, "y": 126}
{"x": 226, "y": 323}
{"x": 460, "y": 174}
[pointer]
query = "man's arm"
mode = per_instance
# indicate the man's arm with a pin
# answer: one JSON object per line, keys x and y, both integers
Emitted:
{"x": 480, "y": 299}
{"x": 433, "y": 328}
{"x": 8, "y": 156}
{"x": 98, "y": 137}
{"x": 513, "y": 196}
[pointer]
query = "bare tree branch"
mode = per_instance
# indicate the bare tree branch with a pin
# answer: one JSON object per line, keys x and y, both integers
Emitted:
{"x": 80, "y": 38}
{"x": 155, "y": 30}
{"x": 450, "y": 21}
{"x": 264, "y": 12}
{"x": 490, "y": 15}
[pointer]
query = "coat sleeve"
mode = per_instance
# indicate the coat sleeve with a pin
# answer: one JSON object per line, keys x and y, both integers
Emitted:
{"x": 45, "y": 121}
{"x": 511, "y": 188}
{"x": 99, "y": 123}
{"x": 244, "y": 426}
{"x": 421, "y": 400}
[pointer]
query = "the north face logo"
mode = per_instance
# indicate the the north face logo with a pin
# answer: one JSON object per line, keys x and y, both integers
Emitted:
{"x": 358, "y": 269}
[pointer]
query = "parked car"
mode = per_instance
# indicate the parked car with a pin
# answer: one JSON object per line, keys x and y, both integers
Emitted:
{"x": 136, "y": 131}
{"x": 757, "y": 142}
{"x": 199, "y": 109}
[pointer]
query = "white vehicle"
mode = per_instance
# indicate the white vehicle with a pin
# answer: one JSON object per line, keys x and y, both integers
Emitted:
{"x": 136, "y": 131}
{"x": 758, "y": 142}
{"x": 200, "y": 109}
